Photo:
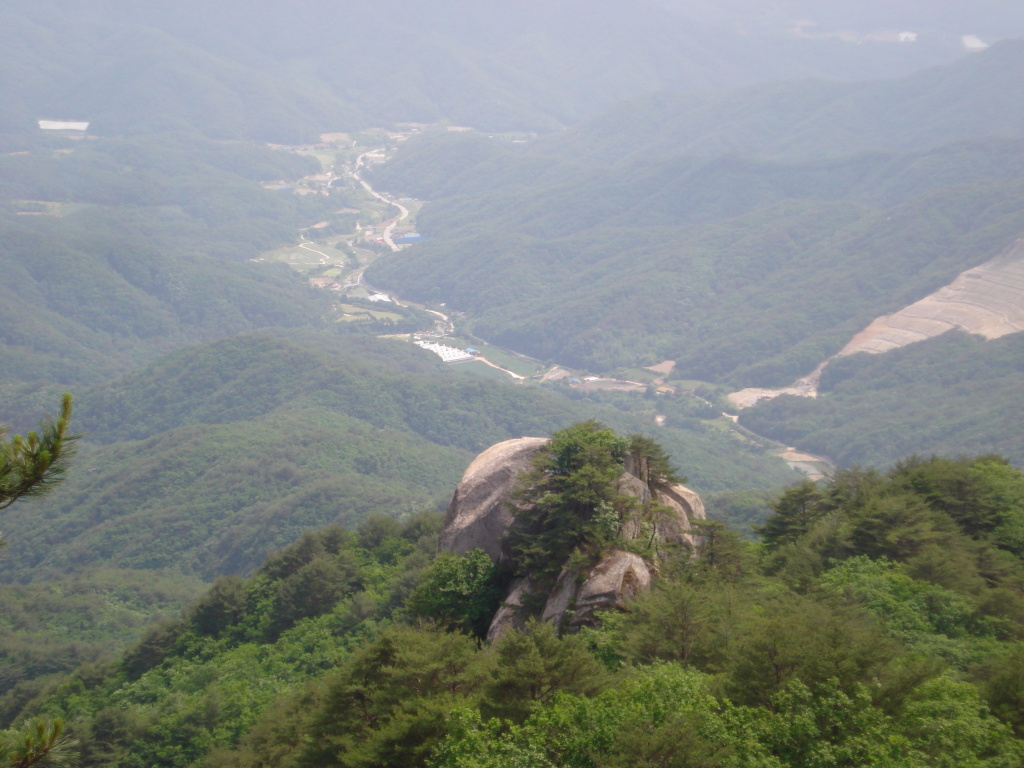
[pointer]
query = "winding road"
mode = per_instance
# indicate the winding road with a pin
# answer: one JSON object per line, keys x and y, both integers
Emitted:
{"x": 807, "y": 463}
{"x": 404, "y": 212}
{"x": 306, "y": 246}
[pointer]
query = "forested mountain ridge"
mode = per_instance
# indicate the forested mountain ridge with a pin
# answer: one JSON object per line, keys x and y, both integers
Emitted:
{"x": 208, "y": 458}
{"x": 280, "y": 73}
{"x": 748, "y": 268}
{"x": 230, "y": 409}
{"x": 117, "y": 250}
{"x": 877, "y": 621}
{"x": 691, "y": 261}
{"x": 951, "y": 395}
{"x": 91, "y": 62}
{"x": 814, "y": 119}
{"x": 793, "y": 121}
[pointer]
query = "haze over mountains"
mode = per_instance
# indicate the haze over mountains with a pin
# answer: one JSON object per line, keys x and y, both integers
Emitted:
{"x": 747, "y": 236}
{"x": 793, "y": 221}
{"x": 743, "y": 234}
{"x": 288, "y": 72}
{"x": 659, "y": 201}
{"x": 808, "y": 120}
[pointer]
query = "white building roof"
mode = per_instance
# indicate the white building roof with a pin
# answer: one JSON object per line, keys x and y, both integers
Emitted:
{"x": 63, "y": 125}
{"x": 446, "y": 353}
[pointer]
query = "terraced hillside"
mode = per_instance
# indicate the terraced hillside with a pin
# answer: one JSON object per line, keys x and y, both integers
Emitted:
{"x": 987, "y": 300}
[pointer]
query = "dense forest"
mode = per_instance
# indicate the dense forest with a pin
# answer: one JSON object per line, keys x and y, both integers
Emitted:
{"x": 133, "y": 267}
{"x": 135, "y": 247}
{"x": 209, "y": 458}
{"x": 876, "y": 623}
{"x": 739, "y": 272}
{"x": 240, "y": 567}
{"x": 203, "y": 462}
{"x": 694, "y": 259}
{"x": 874, "y": 409}
{"x": 745, "y": 236}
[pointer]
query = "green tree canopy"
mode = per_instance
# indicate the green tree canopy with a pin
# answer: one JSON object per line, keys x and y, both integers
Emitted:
{"x": 33, "y": 464}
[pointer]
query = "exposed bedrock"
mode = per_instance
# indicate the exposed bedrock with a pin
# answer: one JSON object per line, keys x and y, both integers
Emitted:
{"x": 618, "y": 577}
{"x": 481, "y": 513}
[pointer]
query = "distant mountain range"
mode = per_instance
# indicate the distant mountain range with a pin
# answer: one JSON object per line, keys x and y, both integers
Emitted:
{"x": 974, "y": 97}
{"x": 641, "y": 188}
{"x": 996, "y": 19}
{"x": 747, "y": 236}
{"x": 285, "y": 72}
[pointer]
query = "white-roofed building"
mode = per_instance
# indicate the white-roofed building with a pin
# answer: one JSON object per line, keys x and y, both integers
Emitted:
{"x": 446, "y": 353}
{"x": 63, "y": 125}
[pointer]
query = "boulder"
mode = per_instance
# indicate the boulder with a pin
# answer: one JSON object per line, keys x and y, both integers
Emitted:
{"x": 631, "y": 485}
{"x": 510, "y": 615}
{"x": 683, "y": 505}
{"x": 480, "y": 513}
{"x": 618, "y": 577}
{"x": 686, "y": 507}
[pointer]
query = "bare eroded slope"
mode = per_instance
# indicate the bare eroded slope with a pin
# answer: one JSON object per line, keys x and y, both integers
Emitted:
{"x": 987, "y": 300}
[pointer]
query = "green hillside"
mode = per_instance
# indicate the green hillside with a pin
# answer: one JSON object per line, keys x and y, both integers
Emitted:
{"x": 952, "y": 395}
{"x": 52, "y": 628}
{"x": 206, "y": 460}
{"x": 816, "y": 118}
{"x": 117, "y": 250}
{"x": 748, "y": 272}
{"x": 96, "y": 62}
{"x": 878, "y": 624}
{"x": 745, "y": 236}
{"x": 648, "y": 182}
{"x": 203, "y": 462}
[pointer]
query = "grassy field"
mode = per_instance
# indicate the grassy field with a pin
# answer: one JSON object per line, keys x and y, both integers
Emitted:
{"x": 354, "y": 313}
{"x": 521, "y": 365}
{"x": 475, "y": 368}
{"x": 524, "y": 366}
{"x": 47, "y": 207}
{"x": 327, "y": 157}
{"x": 635, "y": 374}
{"x": 306, "y": 260}
{"x": 409, "y": 223}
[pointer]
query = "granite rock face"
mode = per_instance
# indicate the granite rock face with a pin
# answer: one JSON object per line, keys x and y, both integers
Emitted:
{"x": 617, "y": 578}
{"x": 481, "y": 513}
{"x": 686, "y": 507}
{"x": 511, "y": 614}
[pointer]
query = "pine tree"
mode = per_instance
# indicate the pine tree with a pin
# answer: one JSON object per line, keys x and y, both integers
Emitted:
{"x": 568, "y": 499}
{"x": 39, "y": 743}
{"x": 33, "y": 464}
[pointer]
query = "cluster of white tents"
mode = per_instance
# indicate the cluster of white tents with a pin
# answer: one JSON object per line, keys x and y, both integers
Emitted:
{"x": 446, "y": 353}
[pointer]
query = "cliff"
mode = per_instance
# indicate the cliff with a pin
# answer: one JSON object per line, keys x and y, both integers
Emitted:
{"x": 482, "y": 512}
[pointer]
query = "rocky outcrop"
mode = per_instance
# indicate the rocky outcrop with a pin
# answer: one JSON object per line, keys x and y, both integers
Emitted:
{"x": 481, "y": 513}
{"x": 686, "y": 506}
{"x": 617, "y": 578}
{"x": 512, "y": 613}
